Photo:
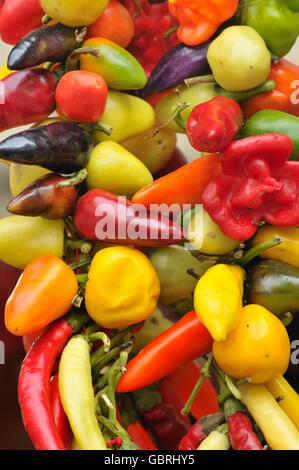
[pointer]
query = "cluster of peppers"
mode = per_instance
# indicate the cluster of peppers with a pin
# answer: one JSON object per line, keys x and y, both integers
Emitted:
{"x": 123, "y": 320}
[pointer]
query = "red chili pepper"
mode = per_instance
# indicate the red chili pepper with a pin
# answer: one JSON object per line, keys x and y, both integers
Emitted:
{"x": 130, "y": 421}
{"x": 185, "y": 341}
{"x": 164, "y": 421}
{"x": 214, "y": 124}
{"x": 29, "y": 97}
{"x": 151, "y": 23}
{"x": 170, "y": 396}
{"x": 19, "y": 17}
{"x": 60, "y": 418}
{"x": 100, "y": 215}
{"x": 200, "y": 430}
{"x": 241, "y": 434}
{"x": 257, "y": 183}
{"x": 34, "y": 383}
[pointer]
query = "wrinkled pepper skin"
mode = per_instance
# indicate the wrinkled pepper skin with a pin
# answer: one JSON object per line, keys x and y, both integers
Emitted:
{"x": 275, "y": 286}
{"x": 43, "y": 198}
{"x": 49, "y": 43}
{"x": 271, "y": 121}
{"x": 277, "y": 21}
{"x": 18, "y": 18}
{"x": 99, "y": 215}
{"x": 29, "y": 97}
{"x": 60, "y": 146}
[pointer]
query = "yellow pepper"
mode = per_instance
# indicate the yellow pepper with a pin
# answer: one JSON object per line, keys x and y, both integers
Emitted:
{"x": 77, "y": 395}
{"x": 218, "y": 299}
{"x": 287, "y": 251}
{"x": 289, "y": 401}
{"x": 216, "y": 440}
{"x": 279, "y": 431}
{"x": 127, "y": 115}
{"x": 257, "y": 349}
{"x": 122, "y": 289}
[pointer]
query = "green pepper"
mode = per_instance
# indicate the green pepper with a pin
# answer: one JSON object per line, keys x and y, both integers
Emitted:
{"x": 277, "y": 21}
{"x": 270, "y": 121}
{"x": 275, "y": 286}
{"x": 115, "y": 64}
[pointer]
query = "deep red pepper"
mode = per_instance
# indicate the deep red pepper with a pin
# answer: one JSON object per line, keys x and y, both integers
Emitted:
{"x": 241, "y": 434}
{"x": 170, "y": 395}
{"x": 151, "y": 23}
{"x": 29, "y": 97}
{"x": 103, "y": 216}
{"x": 214, "y": 124}
{"x": 34, "y": 383}
{"x": 60, "y": 418}
{"x": 18, "y": 18}
{"x": 257, "y": 184}
{"x": 200, "y": 430}
{"x": 164, "y": 421}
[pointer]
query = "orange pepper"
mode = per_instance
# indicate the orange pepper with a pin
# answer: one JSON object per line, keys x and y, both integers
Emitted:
{"x": 285, "y": 95}
{"x": 182, "y": 186}
{"x": 44, "y": 293}
{"x": 200, "y": 19}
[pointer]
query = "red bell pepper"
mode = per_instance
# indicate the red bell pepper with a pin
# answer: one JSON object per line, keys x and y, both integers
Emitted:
{"x": 186, "y": 340}
{"x": 103, "y": 216}
{"x": 214, "y": 124}
{"x": 285, "y": 95}
{"x": 151, "y": 23}
{"x": 257, "y": 184}
{"x": 18, "y": 18}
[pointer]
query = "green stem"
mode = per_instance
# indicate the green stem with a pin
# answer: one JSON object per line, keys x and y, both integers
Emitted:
{"x": 240, "y": 96}
{"x": 75, "y": 180}
{"x": 46, "y": 19}
{"x": 257, "y": 250}
{"x": 170, "y": 31}
{"x": 286, "y": 318}
{"x": 201, "y": 79}
{"x": 231, "y": 386}
{"x": 138, "y": 8}
{"x": 100, "y": 336}
{"x": 81, "y": 263}
{"x": 82, "y": 245}
{"x": 73, "y": 59}
{"x": 82, "y": 279}
{"x": 101, "y": 127}
{"x": 107, "y": 358}
{"x": 204, "y": 374}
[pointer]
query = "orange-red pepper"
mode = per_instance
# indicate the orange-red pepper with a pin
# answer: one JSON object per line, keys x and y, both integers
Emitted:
{"x": 182, "y": 186}
{"x": 200, "y": 19}
{"x": 285, "y": 95}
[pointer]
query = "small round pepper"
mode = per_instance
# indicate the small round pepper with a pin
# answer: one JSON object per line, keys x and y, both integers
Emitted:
{"x": 122, "y": 289}
{"x": 257, "y": 349}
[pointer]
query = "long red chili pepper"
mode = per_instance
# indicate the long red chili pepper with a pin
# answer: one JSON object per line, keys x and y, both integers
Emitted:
{"x": 60, "y": 418}
{"x": 34, "y": 384}
{"x": 240, "y": 430}
{"x": 188, "y": 339}
{"x": 200, "y": 430}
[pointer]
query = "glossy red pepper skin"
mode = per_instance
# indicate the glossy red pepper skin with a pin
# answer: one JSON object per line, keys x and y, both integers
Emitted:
{"x": 165, "y": 353}
{"x": 214, "y": 124}
{"x": 18, "y": 18}
{"x": 29, "y": 97}
{"x": 60, "y": 418}
{"x": 148, "y": 44}
{"x": 43, "y": 198}
{"x": 241, "y": 434}
{"x": 119, "y": 214}
{"x": 257, "y": 183}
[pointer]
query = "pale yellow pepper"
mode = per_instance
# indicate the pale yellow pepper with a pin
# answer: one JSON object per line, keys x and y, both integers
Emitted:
{"x": 122, "y": 289}
{"x": 279, "y": 431}
{"x": 218, "y": 299}
{"x": 287, "y": 251}
{"x": 288, "y": 397}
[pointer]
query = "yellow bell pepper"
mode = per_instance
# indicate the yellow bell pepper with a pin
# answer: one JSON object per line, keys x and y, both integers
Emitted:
{"x": 122, "y": 288}
{"x": 289, "y": 401}
{"x": 257, "y": 349}
{"x": 279, "y": 431}
{"x": 127, "y": 115}
{"x": 287, "y": 251}
{"x": 218, "y": 299}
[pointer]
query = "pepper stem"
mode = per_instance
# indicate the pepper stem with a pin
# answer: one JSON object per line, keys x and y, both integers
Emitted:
{"x": 257, "y": 250}
{"x": 201, "y": 79}
{"x": 84, "y": 246}
{"x": 99, "y": 335}
{"x": 46, "y": 19}
{"x": 75, "y": 180}
{"x": 170, "y": 31}
{"x": 73, "y": 59}
{"x": 286, "y": 319}
{"x": 204, "y": 374}
{"x": 240, "y": 96}
{"x": 82, "y": 262}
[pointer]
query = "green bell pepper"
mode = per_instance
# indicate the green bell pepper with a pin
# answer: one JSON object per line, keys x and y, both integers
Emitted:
{"x": 277, "y": 21}
{"x": 272, "y": 121}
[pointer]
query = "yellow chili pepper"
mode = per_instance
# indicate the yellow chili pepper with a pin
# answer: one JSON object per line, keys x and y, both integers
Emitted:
{"x": 287, "y": 251}
{"x": 257, "y": 349}
{"x": 216, "y": 440}
{"x": 77, "y": 396}
{"x": 122, "y": 289}
{"x": 218, "y": 299}
{"x": 289, "y": 402}
{"x": 279, "y": 431}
